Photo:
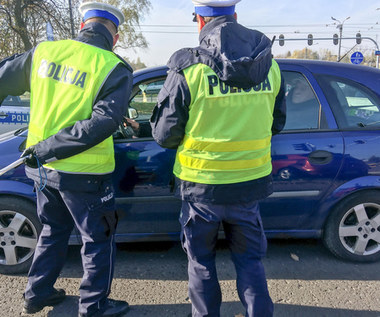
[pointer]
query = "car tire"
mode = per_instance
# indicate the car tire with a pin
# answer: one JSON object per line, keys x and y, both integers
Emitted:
{"x": 352, "y": 231}
{"x": 19, "y": 231}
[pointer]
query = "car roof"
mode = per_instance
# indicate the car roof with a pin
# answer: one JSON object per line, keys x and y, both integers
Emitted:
{"x": 317, "y": 66}
{"x": 365, "y": 75}
{"x": 150, "y": 70}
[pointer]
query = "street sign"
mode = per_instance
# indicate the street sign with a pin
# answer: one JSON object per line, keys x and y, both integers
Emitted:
{"x": 357, "y": 58}
{"x": 49, "y": 32}
{"x": 377, "y": 52}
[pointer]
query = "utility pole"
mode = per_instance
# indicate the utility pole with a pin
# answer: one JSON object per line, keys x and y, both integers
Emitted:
{"x": 340, "y": 27}
{"x": 377, "y": 56}
{"x": 71, "y": 20}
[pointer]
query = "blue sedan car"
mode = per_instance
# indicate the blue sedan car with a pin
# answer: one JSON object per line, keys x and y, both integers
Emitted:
{"x": 326, "y": 168}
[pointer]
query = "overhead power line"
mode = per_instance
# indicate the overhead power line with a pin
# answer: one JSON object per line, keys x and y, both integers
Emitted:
{"x": 170, "y": 32}
{"x": 352, "y": 25}
{"x": 270, "y": 32}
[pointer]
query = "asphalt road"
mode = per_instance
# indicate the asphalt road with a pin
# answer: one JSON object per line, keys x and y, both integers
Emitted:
{"x": 303, "y": 277}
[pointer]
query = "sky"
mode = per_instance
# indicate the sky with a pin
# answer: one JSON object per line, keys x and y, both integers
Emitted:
{"x": 169, "y": 27}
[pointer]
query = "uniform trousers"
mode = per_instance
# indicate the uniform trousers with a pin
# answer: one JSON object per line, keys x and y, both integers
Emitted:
{"x": 94, "y": 215}
{"x": 247, "y": 243}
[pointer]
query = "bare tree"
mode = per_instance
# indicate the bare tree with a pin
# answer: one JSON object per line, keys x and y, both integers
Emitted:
{"x": 26, "y": 21}
{"x": 133, "y": 11}
{"x": 23, "y": 22}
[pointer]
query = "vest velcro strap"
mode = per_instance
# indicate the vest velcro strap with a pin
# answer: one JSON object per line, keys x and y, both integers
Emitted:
{"x": 210, "y": 165}
{"x": 228, "y": 146}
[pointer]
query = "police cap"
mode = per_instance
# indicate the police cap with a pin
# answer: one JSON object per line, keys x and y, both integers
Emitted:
{"x": 211, "y": 8}
{"x": 101, "y": 10}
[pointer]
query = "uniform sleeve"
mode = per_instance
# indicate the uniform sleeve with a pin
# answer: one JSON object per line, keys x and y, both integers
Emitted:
{"x": 279, "y": 113}
{"x": 107, "y": 115}
{"x": 171, "y": 113}
{"x": 15, "y": 74}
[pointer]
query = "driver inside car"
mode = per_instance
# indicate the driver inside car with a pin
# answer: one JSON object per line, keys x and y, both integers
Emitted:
{"x": 138, "y": 129}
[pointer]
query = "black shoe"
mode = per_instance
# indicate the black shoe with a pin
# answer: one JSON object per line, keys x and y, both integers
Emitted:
{"x": 32, "y": 307}
{"x": 113, "y": 308}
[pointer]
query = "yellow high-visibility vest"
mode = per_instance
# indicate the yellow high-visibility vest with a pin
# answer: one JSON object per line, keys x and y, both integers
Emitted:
{"x": 65, "y": 81}
{"x": 228, "y": 134}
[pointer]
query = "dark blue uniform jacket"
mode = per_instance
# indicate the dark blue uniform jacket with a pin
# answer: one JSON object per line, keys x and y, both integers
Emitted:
{"x": 242, "y": 58}
{"x": 109, "y": 107}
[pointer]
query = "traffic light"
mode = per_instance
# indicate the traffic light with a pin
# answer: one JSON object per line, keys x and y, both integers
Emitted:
{"x": 281, "y": 40}
{"x": 310, "y": 39}
{"x": 358, "y": 38}
{"x": 335, "y": 39}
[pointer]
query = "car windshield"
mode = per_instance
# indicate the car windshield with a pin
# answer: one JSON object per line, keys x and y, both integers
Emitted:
{"x": 17, "y": 101}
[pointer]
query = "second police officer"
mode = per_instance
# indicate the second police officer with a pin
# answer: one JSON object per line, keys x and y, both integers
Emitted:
{"x": 219, "y": 107}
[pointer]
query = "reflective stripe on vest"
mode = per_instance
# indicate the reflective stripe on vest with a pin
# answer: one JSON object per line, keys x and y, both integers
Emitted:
{"x": 228, "y": 134}
{"x": 65, "y": 81}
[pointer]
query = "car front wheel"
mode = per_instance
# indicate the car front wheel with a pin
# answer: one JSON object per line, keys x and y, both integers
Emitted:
{"x": 19, "y": 231}
{"x": 352, "y": 231}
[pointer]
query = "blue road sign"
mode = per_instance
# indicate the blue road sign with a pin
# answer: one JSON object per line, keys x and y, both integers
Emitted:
{"x": 377, "y": 52}
{"x": 356, "y": 58}
{"x": 49, "y": 32}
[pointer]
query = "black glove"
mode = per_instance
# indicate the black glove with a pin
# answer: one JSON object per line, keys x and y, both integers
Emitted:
{"x": 32, "y": 158}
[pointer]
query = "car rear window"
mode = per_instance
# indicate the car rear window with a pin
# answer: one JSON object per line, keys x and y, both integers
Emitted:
{"x": 354, "y": 105}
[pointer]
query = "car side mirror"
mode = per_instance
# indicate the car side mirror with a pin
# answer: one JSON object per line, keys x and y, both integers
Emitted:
{"x": 133, "y": 114}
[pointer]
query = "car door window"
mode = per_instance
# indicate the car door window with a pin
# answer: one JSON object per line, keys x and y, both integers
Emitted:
{"x": 303, "y": 108}
{"x": 354, "y": 105}
{"x": 145, "y": 97}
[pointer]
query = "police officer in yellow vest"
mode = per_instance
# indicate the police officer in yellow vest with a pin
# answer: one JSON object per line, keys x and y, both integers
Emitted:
{"x": 79, "y": 91}
{"x": 219, "y": 107}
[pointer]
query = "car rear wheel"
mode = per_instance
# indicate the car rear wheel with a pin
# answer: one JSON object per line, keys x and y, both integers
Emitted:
{"x": 352, "y": 231}
{"x": 19, "y": 231}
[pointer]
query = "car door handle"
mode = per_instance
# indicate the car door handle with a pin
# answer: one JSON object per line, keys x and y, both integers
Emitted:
{"x": 3, "y": 115}
{"x": 320, "y": 157}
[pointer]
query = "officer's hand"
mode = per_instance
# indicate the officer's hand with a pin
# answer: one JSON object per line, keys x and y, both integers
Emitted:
{"x": 31, "y": 155}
